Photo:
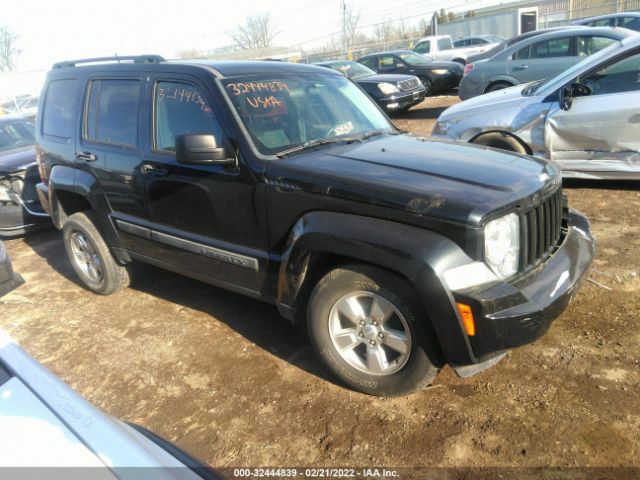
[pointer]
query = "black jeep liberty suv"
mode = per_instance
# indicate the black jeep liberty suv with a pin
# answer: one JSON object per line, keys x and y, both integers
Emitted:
{"x": 288, "y": 184}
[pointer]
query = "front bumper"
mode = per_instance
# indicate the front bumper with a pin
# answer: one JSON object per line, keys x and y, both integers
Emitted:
{"x": 402, "y": 100}
{"x": 509, "y": 315}
{"x": 18, "y": 217}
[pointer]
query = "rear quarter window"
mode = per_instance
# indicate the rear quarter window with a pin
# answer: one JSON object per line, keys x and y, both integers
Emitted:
{"x": 57, "y": 117}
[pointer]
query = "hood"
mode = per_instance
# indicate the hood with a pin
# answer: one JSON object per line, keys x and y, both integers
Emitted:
{"x": 384, "y": 78}
{"x": 428, "y": 177}
{"x": 13, "y": 161}
{"x": 506, "y": 98}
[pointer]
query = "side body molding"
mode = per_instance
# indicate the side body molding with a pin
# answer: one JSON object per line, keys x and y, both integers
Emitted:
{"x": 416, "y": 254}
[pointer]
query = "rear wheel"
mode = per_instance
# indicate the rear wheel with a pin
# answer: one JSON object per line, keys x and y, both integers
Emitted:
{"x": 498, "y": 86}
{"x": 369, "y": 329}
{"x": 90, "y": 257}
{"x": 502, "y": 141}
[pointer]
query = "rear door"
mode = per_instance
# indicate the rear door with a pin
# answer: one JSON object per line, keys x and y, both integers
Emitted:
{"x": 542, "y": 59}
{"x": 110, "y": 149}
{"x": 601, "y": 132}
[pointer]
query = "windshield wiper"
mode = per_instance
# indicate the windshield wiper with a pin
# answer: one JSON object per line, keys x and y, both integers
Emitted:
{"x": 325, "y": 141}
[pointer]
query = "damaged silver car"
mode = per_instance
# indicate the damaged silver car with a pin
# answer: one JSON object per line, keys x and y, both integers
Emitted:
{"x": 587, "y": 118}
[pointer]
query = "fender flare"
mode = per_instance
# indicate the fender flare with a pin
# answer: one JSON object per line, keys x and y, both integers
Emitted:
{"x": 501, "y": 78}
{"x": 78, "y": 182}
{"x": 416, "y": 254}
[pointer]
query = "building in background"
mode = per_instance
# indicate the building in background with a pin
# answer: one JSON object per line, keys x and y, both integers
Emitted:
{"x": 513, "y": 18}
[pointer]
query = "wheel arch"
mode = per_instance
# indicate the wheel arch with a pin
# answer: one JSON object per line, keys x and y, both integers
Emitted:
{"x": 506, "y": 133}
{"x": 322, "y": 241}
{"x": 507, "y": 80}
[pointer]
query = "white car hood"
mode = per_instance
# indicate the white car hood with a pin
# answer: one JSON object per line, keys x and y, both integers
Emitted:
{"x": 507, "y": 98}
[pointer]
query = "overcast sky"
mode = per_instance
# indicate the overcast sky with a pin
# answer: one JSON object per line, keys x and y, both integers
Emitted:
{"x": 54, "y": 30}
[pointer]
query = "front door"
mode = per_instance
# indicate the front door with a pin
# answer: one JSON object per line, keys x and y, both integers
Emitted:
{"x": 542, "y": 59}
{"x": 205, "y": 218}
{"x": 601, "y": 132}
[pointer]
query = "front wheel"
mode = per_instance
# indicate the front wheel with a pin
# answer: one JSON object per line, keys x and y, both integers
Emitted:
{"x": 428, "y": 86}
{"x": 369, "y": 329}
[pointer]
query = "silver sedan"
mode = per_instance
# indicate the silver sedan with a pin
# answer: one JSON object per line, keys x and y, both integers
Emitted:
{"x": 542, "y": 56}
{"x": 587, "y": 118}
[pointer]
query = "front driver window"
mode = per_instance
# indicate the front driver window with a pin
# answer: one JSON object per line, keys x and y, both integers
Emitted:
{"x": 181, "y": 109}
{"x": 622, "y": 76}
{"x": 588, "y": 45}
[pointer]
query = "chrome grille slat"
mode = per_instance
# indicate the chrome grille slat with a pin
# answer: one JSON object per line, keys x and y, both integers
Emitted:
{"x": 406, "y": 85}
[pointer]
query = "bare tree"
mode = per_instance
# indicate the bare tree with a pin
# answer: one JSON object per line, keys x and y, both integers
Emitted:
{"x": 9, "y": 51}
{"x": 256, "y": 32}
{"x": 383, "y": 32}
{"x": 351, "y": 21}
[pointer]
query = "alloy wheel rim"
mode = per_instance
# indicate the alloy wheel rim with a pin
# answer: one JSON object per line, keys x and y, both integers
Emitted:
{"x": 85, "y": 256}
{"x": 370, "y": 333}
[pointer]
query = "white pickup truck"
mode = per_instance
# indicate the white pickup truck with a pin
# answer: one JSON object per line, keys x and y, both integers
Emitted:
{"x": 440, "y": 47}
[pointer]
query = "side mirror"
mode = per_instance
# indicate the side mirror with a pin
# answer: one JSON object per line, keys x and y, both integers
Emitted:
{"x": 571, "y": 91}
{"x": 201, "y": 149}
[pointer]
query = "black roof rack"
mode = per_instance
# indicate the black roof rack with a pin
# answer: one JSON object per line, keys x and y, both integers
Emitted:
{"x": 117, "y": 59}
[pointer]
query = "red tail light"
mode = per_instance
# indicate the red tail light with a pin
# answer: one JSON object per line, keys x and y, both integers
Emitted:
{"x": 467, "y": 69}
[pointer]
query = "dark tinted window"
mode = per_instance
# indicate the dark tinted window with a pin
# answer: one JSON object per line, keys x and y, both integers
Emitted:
{"x": 461, "y": 43}
{"x": 57, "y": 118}
{"x": 388, "y": 61}
{"x": 605, "y": 22}
{"x": 620, "y": 77}
{"x": 522, "y": 54}
{"x": 558, "y": 47}
{"x": 112, "y": 112}
{"x": 632, "y": 23}
{"x": 445, "y": 44}
{"x": 589, "y": 45}
{"x": 423, "y": 47}
{"x": 371, "y": 62}
{"x": 181, "y": 108}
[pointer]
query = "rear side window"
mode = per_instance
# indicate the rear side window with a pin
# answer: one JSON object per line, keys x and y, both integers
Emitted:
{"x": 112, "y": 112}
{"x": 558, "y": 47}
{"x": 522, "y": 54}
{"x": 632, "y": 23}
{"x": 445, "y": 44}
{"x": 57, "y": 118}
{"x": 605, "y": 22}
{"x": 371, "y": 62}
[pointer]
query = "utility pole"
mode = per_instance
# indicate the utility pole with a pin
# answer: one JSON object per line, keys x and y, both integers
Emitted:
{"x": 344, "y": 27}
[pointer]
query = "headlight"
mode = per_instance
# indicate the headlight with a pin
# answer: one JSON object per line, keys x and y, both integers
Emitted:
{"x": 442, "y": 126}
{"x": 440, "y": 71}
{"x": 502, "y": 245}
{"x": 388, "y": 88}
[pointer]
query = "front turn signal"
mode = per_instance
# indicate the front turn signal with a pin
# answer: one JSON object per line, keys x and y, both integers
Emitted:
{"x": 467, "y": 318}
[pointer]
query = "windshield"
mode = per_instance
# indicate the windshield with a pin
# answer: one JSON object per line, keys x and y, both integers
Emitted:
{"x": 564, "y": 77}
{"x": 413, "y": 58}
{"x": 16, "y": 135}
{"x": 282, "y": 112}
{"x": 352, "y": 69}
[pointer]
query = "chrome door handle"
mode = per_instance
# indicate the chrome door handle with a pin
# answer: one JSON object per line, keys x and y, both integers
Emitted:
{"x": 147, "y": 169}
{"x": 86, "y": 156}
{"x": 521, "y": 67}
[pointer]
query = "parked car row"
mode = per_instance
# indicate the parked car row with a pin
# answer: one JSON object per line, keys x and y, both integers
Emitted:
{"x": 585, "y": 118}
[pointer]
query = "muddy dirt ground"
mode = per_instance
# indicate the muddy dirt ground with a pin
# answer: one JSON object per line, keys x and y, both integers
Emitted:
{"x": 230, "y": 381}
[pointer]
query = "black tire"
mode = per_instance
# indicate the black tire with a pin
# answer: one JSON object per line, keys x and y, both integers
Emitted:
{"x": 497, "y": 86}
{"x": 113, "y": 276}
{"x": 419, "y": 368}
{"x": 502, "y": 141}
{"x": 428, "y": 86}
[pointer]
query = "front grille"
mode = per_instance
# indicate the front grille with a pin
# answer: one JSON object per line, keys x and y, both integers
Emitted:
{"x": 541, "y": 230}
{"x": 406, "y": 85}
